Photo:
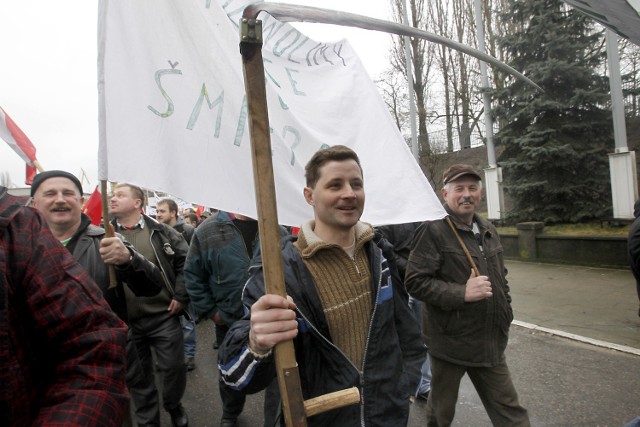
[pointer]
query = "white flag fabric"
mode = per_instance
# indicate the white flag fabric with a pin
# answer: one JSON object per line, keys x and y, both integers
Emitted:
{"x": 173, "y": 113}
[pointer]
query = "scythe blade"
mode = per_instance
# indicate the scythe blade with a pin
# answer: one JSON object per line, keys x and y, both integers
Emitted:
{"x": 297, "y": 13}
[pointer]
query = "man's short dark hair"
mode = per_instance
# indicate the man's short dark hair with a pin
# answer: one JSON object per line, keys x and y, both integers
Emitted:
{"x": 171, "y": 205}
{"x": 192, "y": 217}
{"x": 136, "y": 191}
{"x": 324, "y": 155}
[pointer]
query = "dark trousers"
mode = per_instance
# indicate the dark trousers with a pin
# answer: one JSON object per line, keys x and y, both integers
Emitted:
{"x": 494, "y": 386}
{"x": 163, "y": 333}
{"x": 232, "y": 400}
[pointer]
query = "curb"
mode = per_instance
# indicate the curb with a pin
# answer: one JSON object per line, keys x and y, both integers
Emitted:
{"x": 608, "y": 345}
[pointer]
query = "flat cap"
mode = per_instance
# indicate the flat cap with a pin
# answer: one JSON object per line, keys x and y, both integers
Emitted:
{"x": 459, "y": 170}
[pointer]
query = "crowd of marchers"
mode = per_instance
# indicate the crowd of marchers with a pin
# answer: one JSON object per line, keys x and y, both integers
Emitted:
{"x": 98, "y": 322}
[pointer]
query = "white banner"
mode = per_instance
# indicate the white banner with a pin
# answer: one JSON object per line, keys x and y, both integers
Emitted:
{"x": 173, "y": 113}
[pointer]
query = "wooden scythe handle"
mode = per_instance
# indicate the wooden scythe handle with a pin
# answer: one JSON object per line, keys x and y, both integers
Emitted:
{"x": 334, "y": 400}
{"x": 108, "y": 229}
{"x": 295, "y": 409}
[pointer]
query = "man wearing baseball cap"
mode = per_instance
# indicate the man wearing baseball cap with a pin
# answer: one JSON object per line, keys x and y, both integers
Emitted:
{"x": 468, "y": 312}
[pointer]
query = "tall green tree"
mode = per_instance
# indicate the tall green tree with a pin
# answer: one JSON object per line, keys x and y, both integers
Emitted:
{"x": 555, "y": 162}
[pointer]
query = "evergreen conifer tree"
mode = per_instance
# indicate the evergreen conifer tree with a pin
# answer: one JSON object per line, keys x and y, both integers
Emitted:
{"x": 555, "y": 159}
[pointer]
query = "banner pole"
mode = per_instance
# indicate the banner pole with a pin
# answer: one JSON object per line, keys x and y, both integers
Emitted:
{"x": 108, "y": 229}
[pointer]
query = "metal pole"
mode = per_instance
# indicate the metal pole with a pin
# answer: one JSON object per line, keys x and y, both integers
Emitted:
{"x": 615, "y": 84}
{"x": 484, "y": 80}
{"x": 415, "y": 149}
{"x": 622, "y": 163}
{"x": 493, "y": 174}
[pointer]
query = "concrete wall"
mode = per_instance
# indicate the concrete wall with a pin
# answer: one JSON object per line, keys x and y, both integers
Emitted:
{"x": 531, "y": 244}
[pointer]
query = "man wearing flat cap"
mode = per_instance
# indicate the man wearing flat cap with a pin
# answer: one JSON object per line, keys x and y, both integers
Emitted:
{"x": 468, "y": 313}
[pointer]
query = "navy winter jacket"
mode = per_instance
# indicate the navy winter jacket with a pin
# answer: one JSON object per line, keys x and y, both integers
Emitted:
{"x": 393, "y": 355}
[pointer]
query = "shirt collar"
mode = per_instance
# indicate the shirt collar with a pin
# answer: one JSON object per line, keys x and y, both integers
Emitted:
{"x": 140, "y": 224}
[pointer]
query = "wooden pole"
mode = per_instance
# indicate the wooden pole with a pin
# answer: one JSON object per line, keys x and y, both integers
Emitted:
{"x": 38, "y": 166}
{"x": 286, "y": 365}
{"x": 295, "y": 409}
{"x": 113, "y": 281}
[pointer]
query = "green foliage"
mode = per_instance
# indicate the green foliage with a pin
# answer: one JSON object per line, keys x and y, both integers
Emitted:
{"x": 555, "y": 160}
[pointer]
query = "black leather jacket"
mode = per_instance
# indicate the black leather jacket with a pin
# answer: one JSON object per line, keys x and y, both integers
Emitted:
{"x": 171, "y": 251}
{"x": 141, "y": 276}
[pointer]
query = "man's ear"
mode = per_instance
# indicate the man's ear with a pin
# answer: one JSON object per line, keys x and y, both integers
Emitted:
{"x": 308, "y": 195}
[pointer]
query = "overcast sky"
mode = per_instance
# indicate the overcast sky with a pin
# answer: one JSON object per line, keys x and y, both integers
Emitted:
{"x": 48, "y": 79}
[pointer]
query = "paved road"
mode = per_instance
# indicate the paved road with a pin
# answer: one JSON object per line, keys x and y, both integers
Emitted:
{"x": 563, "y": 382}
{"x": 598, "y": 303}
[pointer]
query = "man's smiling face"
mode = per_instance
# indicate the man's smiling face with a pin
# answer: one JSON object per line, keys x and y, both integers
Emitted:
{"x": 463, "y": 196}
{"x": 338, "y": 195}
{"x": 59, "y": 200}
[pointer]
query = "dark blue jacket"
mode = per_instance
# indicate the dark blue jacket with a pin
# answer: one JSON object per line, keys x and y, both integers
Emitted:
{"x": 393, "y": 355}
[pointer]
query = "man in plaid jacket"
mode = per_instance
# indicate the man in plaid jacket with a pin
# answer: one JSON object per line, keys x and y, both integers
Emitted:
{"x": 62, "y": 349}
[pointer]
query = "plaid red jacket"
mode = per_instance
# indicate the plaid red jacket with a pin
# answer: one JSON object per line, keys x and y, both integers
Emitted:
{"x": 62, "y": 350}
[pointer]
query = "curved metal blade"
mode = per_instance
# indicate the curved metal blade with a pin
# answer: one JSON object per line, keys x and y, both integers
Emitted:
{"x": 296, "y": 13}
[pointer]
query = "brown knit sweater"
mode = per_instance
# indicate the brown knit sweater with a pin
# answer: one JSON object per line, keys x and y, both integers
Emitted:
{"x": 344, "y": 286}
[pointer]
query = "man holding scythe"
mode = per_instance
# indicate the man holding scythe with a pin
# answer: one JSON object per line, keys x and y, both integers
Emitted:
{"x": 347, "y": 310}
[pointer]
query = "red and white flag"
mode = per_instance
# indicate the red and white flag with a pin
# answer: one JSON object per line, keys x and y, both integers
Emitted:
{"x": 29, "y": 174}
{"x": 19, "y": 142}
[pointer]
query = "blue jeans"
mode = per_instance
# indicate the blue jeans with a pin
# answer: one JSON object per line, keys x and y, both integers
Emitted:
{"x": 425, "y": 380}
{"x": 189, "y": 333}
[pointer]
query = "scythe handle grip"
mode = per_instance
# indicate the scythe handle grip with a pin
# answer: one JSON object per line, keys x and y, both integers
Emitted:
{"x": 337, "y": 399}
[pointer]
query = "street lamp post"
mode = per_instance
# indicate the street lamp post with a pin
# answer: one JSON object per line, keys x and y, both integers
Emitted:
{"x": 492, "y": 174}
